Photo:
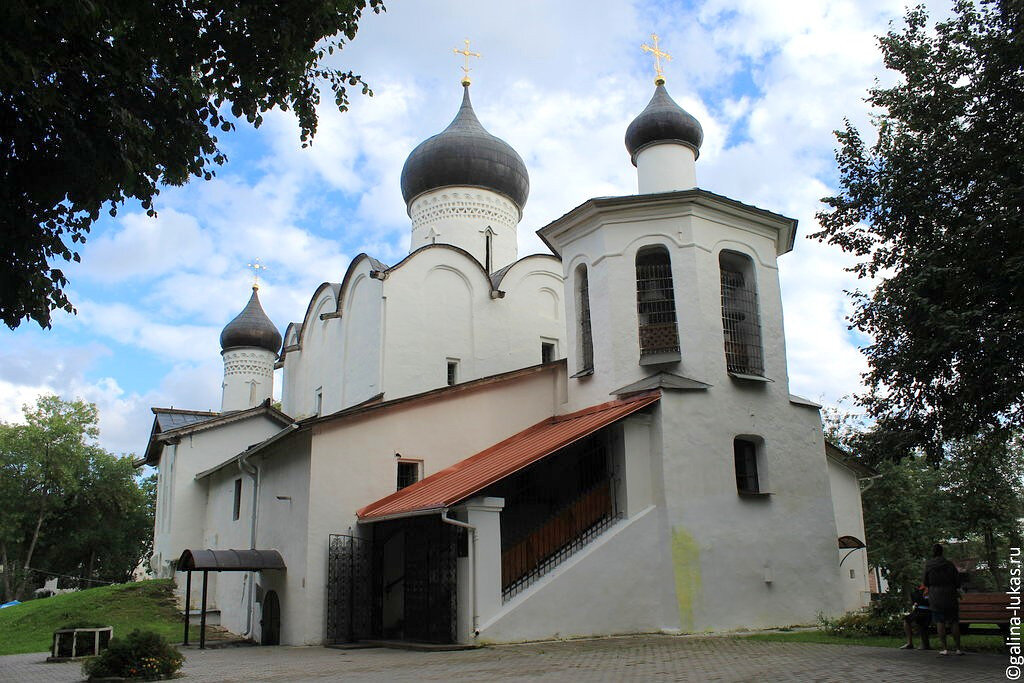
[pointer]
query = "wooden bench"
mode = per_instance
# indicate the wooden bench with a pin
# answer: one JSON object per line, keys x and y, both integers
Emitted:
{"x": 985, "y": 608}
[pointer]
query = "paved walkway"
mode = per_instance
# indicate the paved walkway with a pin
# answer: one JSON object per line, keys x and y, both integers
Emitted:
{"x": 641, "y": 658}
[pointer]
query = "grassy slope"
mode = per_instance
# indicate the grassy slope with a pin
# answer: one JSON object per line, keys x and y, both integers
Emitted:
{"x": 972, "y": 643}
{"x": 145, "y": 605}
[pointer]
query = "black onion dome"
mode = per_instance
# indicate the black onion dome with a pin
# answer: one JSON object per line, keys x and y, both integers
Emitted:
{"x": 663, "y": 121}
{"x": 465, "y": 154}
{"x": 251, "y": 327}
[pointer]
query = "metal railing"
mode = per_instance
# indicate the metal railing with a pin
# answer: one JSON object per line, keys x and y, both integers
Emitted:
{"x": 560, "y": 536}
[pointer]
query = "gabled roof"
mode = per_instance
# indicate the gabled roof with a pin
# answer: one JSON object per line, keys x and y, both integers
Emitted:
{"x": 170, "y": 424}
{"x": 849, "y": 460}
{"x": 472, "y": 475}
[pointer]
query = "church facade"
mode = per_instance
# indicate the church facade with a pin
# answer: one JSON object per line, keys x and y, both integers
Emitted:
{"x": 474, "y": 447}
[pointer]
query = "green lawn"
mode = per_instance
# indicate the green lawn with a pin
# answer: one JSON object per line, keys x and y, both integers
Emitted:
{"x": 148, "y": 605}
{"x": 972, "y": 643}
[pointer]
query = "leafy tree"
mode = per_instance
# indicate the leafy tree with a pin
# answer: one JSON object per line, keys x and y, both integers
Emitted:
{"x": 982, "y": 485}
{"x": 934, "y": 209}
{"x": 902, "y": 519}
{"x": 102, "y": 100}
{"x": 67, "y": 504}
{"x": 106, "y": 528}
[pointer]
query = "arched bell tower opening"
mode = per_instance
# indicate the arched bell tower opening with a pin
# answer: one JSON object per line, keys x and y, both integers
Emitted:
{"x": 656, "y": 306}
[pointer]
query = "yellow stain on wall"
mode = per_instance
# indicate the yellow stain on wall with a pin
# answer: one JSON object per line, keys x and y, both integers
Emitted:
{"x": 686, "y": 563}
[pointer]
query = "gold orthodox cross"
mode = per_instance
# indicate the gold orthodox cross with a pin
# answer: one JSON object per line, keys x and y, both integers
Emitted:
{"x": 256, "y": 268}
{"x": 659, "y": 79}
{"x": 467, "y": 54}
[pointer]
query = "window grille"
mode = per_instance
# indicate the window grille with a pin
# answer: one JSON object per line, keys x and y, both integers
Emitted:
{"x": 741, "y": 324}
{"x": 586, "y": 336}
{"x": 656, "y": 305}
{"x": 453, "y": 372}
{"x": 408, "y": 473}
{"x": 745, "y": 453}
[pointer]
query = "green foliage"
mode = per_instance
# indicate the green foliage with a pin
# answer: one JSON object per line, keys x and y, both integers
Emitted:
{"x": 881, "y": 618}
{"x": 81, "y": 623}
{"x": 903, "y": 516}
{"x": 934, "y": 209}
{"x": 69, "y": 506}
{"x": 145, "y": 605}
{"x": 141, "y": 654}
{"x": 972, "y": 643}
{"x": 982, "y": 481}
{"x": 973, "y": 493}
{"x": 101, "y": 101}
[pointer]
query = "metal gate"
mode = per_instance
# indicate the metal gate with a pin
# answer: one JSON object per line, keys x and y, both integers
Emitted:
{"x": 431, "y": 552}
{"x": 351, "y": 613}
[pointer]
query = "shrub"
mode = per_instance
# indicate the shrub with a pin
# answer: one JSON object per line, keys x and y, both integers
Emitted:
{"x": 883, "y": 617}
{"x": 141, "y": 654}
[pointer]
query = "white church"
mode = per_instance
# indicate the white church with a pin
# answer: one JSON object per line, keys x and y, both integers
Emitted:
{"x": 474, "y": 447}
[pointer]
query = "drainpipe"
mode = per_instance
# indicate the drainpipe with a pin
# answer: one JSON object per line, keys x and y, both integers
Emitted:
{"x": 870, "y": 481}
{"x": 472, "y": 562}
{"x": 248, "y": 468}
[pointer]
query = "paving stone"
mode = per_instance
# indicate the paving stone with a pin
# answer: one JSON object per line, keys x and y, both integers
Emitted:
{"x": 639, "y": 658}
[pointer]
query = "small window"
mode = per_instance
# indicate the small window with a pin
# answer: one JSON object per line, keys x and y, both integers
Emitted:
{"x": 237, "y": 509}
{"x": 318, "y": 401}
{"x": 853, "y": 574}
{"x": 741, "y": 322}
{"x": 745, "y": 453}
{"x": 547, "y": 352}
{"x": 584, "y": 335}
{"x": 408, "y": 473}
{"x": 656, "y": 306}
{"x": 489, "y": 249}
{"x": 453, "y": 371}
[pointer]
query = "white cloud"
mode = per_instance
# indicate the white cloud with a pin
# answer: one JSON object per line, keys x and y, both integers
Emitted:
{"x": 560, "y": 82}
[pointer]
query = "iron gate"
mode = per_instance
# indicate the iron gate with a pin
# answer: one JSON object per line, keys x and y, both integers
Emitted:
{"x": 350, "y": 596}
{"x": 431, "y": 552}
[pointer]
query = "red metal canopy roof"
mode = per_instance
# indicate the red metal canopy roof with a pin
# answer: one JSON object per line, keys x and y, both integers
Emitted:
{"x": 463, "y": 479}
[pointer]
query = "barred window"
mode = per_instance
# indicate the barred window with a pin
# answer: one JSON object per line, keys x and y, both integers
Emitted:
{"x": 655, "y": 303}
{"x": 741, "y": 322}
{"x": 585, "y": 341}
{"x": 408, "y": 473}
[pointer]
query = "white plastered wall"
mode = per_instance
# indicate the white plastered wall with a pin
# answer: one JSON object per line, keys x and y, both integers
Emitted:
{"x": 438, "y": 307}
{"x": 738, "y": 561}
{"x": 353, "y": 463}
{"x": 747, "y": 561}
{"x": 460, "y": 216}
{"x": 283, "y": 508}
{"x": 846, "y": 503}
{"x": 622, "y": 582}
{"x": 181, "y": 498}
{"x": 694, "y": 235}
{"x": 397, "y": 335}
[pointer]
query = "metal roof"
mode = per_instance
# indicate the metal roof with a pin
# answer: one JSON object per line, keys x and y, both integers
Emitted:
{"x": 251, "y": 327}
{"x": 229, "y": 560}
{"x": 169, "y": 418}
{"x": 465, "y": 478}
{"x": 663, "y": 121}
{"x": 464, "y": 153}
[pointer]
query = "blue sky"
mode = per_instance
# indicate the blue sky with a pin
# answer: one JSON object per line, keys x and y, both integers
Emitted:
{"x": 560, "y": 82}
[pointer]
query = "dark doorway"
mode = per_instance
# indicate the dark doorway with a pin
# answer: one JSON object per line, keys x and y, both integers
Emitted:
{"x": 270, "y": 624}
{"x": 415, "y": 562}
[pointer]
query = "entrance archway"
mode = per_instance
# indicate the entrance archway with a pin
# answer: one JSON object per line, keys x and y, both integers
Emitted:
{"x": 270, "y": 623}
